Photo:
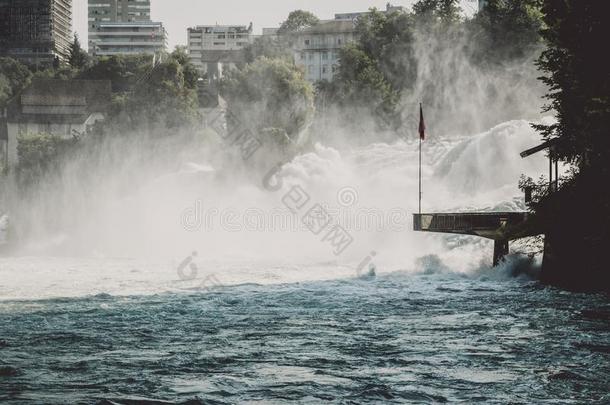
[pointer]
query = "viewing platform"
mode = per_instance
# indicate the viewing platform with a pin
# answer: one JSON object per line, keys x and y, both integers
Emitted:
{"x": 501, "y": 227}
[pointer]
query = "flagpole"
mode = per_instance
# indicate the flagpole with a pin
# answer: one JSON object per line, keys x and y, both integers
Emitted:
{"x": 420, "y": 136}
{"x": 420, "y": 174}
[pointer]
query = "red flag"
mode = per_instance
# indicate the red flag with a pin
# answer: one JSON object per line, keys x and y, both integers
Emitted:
{"x": 422, "y": 124}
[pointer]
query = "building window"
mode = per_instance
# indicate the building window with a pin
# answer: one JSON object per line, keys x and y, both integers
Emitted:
{"x": 324, "y": 69}
{"x": 310, "y": 69}
{"x": 306, "y": 42}
{"x": 324, "y": 55}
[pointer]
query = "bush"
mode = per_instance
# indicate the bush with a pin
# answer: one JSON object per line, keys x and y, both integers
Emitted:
{"x": 14, "y": 76}
{"x": 40, "y": 154}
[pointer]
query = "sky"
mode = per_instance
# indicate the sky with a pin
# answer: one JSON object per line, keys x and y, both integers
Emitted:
{"x": 178, "y": 15}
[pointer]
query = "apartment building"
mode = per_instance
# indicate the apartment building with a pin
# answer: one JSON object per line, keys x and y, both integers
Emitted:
{"x": 316, "y": 48}
{"x": 129, "y": 38}
{"x": 36, "y": 32}
{"x": 118, "y": 10}
{"x": 214, "y": 48}
{"x": 118, "y": 27}
{"x": 389, "y": 8}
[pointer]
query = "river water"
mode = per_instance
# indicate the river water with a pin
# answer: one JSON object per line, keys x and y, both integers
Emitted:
{"x": 192, "y": 286}
{"x": 427, "y": 337}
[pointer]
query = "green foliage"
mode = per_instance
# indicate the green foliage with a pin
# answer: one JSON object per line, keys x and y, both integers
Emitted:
{"x": 122, "y": 71}
{"x": 166, "y": 99}
{"x": 64, "y": 72}
{"x": 298, "y": 20}
{"x": 444, "y": 10}
{"x": 369, "y": 74}
{"x": 388, "y": 40}
{"x": 5, "y": 89}
{"x": 577, "y": 74}
{"x": 360, "y": 82}
{"x": 269, "y": 94}
{"x": 506, "y": 30}
{"x": 14, "y": 76}
{"x": 191, "y": 75}
{"x": 272, "y": 47}
{"x": 575, "y": 217}
{"x": 383, "y": 67}
{"x": 146, "y": 97}
{"x": 40, "y": 154}
{"x": 78, "y": 58}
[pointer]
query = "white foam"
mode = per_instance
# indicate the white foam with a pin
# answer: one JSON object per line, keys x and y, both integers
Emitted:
{"x": 143, "y": 222}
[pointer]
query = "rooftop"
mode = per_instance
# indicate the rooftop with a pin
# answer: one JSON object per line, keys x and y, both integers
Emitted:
{"x": 354, "y": 15}
{"x": 131, "y": 24}
{"x": 330, "y": 27}
{"x": 223, "y": 28}
{"x": 50, "y": 100}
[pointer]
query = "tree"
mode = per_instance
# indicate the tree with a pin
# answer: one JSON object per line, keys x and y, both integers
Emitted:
{"x": 5, "y": 90}
{"x": 506, "y": 30}
{"x": 370, "y": 75}
{"x": 362, "y": 84}
{"x": 14, "y": 76}
{"x": 384, "y": 36}
{"x": 575, "y": 218}
{"x": 160, "y": 97}
{"x": 78, "y": 58}
{"x": 298, "y": 20}
{"x": 149, "y": 97}
{"x": 191, "y": 75}
{"x": 273, "y": 47}
{"x": 578, "y": 80}
{"x": 121, "y": 70}
{"x": 167, "y": 98}
{"x": 269, "y": 96}
{"x": 445, "y": 10}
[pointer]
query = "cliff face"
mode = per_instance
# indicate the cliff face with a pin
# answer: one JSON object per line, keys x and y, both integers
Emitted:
{"x": 577, "y": 236}
{"x": 573, "y": 263}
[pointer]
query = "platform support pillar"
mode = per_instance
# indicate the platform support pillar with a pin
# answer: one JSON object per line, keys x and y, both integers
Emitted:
{"x": 500, "y": 250}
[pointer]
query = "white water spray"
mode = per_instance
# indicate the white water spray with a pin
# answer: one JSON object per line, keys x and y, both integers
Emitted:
{"x": 243, "y": 232}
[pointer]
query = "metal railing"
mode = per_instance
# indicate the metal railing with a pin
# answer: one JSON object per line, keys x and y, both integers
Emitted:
{"x": 466, "y": 222}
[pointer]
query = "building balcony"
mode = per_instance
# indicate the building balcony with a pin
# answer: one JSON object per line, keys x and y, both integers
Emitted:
{"x": 130, "y": 43}
{"x": 316, "y": 47}
{"x": 134, "y": 51}
{"x": 103, "y": 34}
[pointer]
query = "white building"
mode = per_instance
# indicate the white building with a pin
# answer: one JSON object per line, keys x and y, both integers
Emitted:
{"x": 123, "y": 27}
{"x": 316, "y": 49}
{"x": 213, "y": 48}
{"x": 129, "y": 38}
{"x": 389, "y": 8}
